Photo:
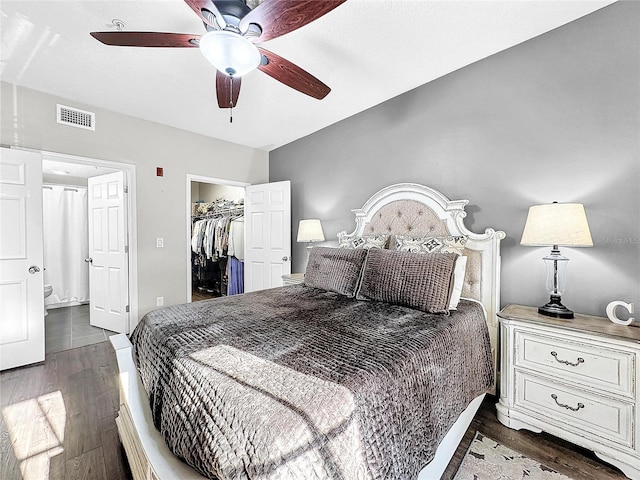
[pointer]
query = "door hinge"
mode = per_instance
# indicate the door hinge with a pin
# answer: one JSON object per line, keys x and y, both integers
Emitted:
{"x": 126, "y": 309}
{"x": 126, "y": 249}
{"x": 125, "y": 188}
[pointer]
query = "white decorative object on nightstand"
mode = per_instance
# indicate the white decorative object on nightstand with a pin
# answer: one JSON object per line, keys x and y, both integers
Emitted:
{"x": 576, "y": 379}
{"x": 292, "y": 279}
{"x": 611, "y": 312}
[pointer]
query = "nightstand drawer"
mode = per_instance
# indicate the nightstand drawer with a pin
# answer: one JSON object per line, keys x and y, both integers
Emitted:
{"x": 582, "y": 362}
{"x": 576, "y": 410}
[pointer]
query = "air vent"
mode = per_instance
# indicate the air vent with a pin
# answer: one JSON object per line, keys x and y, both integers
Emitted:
{"x": 76, "y": 118}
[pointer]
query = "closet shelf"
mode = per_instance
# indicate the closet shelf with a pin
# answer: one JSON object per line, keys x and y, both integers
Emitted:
{"x": 215, "y": 210}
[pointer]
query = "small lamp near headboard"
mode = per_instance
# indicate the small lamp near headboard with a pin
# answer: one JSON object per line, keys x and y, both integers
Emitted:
{"x": 553, "y": 225}
{"x": 310, "y": 230}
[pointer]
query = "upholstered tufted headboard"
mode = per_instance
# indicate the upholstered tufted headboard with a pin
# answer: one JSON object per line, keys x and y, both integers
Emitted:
{"x": 412, "y": 209}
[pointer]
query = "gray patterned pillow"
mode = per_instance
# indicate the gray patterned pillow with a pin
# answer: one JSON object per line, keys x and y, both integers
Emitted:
{"x": 450, "y": 244}
{"x": 365, "y": 241}
{"x": 417, "y": 280}
{"x": 335, "y": 269}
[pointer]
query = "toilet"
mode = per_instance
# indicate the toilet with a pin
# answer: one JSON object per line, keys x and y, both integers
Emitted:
{"x": 48, "y": 290}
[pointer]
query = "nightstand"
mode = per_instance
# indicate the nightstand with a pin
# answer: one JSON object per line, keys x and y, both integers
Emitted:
{"x": 576, "y": 379}
{"x": 292, "y": 279}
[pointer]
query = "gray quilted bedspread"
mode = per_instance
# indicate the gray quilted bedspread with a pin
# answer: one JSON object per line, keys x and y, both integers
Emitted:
{"x": 301, "y": 383}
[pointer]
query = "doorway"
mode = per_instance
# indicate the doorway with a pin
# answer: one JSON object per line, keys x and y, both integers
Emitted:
{"x": 217, "y": 270}
{"x": 65, "y": 231}
{"x": 66, "y": 275}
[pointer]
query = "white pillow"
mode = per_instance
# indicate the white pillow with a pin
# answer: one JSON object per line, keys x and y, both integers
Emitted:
{"x": 421, "y": 244}
{"x": 365, "y": 241}
{"x": 458, "y": 280}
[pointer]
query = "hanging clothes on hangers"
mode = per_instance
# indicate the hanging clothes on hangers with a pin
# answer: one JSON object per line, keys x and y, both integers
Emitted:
{"x": 236, "y": 238}
{"x": 210, "y": 240}
{"x": 236, "y": 276}
{"x": 236, "y": 255}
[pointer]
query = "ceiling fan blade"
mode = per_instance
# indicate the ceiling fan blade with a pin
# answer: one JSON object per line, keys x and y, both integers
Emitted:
{"x": 277, "y": 17}
{"x": 199, "y": 5}
{"x": 292, "y": 75}
{"x": 147, "y": 39}
{"x": 227, "y": 97}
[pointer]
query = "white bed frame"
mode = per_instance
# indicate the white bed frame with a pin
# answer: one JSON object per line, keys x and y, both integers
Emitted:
{"x": 149, "y": 457}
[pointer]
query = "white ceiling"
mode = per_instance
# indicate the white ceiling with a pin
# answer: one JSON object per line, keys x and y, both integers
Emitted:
{"x": 61, "y": 169}
{"x": 367, "y": 51}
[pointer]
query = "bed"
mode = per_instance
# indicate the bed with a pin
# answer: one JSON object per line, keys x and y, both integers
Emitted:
{"x": 303, "y": 381}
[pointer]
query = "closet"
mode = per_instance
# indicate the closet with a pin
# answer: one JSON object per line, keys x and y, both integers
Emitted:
{"x": 217, "y": 240}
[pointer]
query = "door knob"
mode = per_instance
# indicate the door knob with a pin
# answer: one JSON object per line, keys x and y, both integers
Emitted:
{"x": 88, "y": 260}
{"x": 33, "y": 269}
{"x": 285, "y": 259}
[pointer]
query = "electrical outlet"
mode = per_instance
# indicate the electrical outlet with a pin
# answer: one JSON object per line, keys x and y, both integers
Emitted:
{"x": 159, "y": 242}
{"x": 159, "y": 301}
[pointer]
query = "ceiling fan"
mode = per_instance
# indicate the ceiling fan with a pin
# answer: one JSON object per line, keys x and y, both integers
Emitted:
{"x": 233, "y": 30}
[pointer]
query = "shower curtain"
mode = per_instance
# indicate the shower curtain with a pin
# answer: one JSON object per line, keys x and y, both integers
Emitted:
{"x": 66, "y": 244}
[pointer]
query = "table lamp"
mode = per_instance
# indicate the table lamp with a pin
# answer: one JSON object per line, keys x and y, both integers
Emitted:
{"x": 554, "y": 225}
{"x": 310, "y": 230}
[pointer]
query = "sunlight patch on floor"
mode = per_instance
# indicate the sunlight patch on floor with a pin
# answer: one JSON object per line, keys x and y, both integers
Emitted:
{"x": 36, "y": 428}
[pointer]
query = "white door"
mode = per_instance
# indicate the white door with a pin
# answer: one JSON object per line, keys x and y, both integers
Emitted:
{"x": 267, "y": 219}
{"x": 108, "y": 252}
{"x": 21, "y": 269}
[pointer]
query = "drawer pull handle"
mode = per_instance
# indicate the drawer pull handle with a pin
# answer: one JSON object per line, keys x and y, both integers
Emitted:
{"x": 568, "y": 407}
{"x": 567, "y": 362}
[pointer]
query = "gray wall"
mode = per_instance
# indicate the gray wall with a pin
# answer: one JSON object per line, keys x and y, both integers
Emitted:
{"x": 29, "y": 120}
{"x": 553, "y": 119}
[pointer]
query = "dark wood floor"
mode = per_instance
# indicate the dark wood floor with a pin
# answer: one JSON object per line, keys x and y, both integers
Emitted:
{"x": 58, "y": 423}
{"x": 197, "y": 295}
{"x": 58, "y": 418}
{"x": 565, "y": 457}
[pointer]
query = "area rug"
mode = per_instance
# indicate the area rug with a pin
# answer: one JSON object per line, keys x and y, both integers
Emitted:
{"x": 486, "y": 459}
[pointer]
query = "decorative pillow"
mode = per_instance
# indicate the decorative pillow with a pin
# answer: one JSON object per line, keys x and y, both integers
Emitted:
{"x": 450, "y": 244}
{"x": 335, "y": 269}
{"x": 458, "y": 281}
{"x": 416, "y": 280}
{"x": 365, "y": 241}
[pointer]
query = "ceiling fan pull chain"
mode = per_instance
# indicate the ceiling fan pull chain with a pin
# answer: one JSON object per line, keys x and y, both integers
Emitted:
{"x": 230, "y": 99}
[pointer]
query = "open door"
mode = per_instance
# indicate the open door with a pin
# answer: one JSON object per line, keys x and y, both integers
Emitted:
{"x": 21, "y": 256}
{"x": 108, "y": 253}
{"x": 268, "y": 235}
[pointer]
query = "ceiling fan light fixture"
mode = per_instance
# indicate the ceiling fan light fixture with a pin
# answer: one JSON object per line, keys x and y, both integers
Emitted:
{"x": 230, "y": 53}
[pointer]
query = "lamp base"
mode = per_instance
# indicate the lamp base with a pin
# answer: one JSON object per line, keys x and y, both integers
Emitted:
{"x": 555, "y": 308}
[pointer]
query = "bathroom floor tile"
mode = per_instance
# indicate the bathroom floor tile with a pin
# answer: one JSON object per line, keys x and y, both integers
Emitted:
{"x": 68, "y": 327}
{"x": 79, "y": 321}
{"x": 52, "y": 345}
{"x": 85, "y": 331}
{"x": 81, "y": 315}
{"x": 56, "y": 328}
{"x": 57, "y": 317}
{"x": 89, "y": 340}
